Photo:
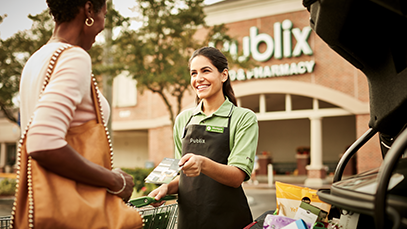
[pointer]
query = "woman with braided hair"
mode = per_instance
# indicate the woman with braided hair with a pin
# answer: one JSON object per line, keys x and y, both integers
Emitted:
{"x": 68, "y": 101}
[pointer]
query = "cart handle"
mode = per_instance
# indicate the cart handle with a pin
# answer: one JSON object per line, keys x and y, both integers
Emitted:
{"x": 146, "y": 200}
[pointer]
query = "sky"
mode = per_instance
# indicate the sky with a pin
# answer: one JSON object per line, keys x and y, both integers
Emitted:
{"x": 18, "y": 10}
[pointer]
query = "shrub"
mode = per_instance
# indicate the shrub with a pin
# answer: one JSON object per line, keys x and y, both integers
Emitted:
{"x": 139, "y": 174}
{"x": 7, "y": 187}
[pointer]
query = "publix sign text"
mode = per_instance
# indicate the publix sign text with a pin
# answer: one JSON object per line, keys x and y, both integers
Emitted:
{"x": 278, "y": 47}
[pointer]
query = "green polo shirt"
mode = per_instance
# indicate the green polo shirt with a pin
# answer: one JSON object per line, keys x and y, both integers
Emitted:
{"x": 244, "y": 131}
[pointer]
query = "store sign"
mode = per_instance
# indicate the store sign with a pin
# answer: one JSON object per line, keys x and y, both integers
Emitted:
{"x": 273, "y": 71}
{"x": 278, "y": 47}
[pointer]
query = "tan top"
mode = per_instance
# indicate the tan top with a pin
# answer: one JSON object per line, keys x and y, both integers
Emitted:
{"x": 65, "y": 102}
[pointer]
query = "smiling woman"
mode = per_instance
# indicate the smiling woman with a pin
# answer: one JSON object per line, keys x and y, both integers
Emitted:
{"x": 216, "y": 143}
{"x": 207, "y": 83}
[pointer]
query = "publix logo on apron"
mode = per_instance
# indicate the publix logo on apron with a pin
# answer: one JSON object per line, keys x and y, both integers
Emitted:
{"x": 197, "y": 140}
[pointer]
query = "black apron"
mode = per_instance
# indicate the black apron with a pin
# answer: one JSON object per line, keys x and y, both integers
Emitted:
{"x": 203, "y": 202}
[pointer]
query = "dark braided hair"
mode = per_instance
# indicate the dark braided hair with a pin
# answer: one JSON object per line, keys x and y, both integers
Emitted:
{"x": 218, "y": 60}
{"x": 66, "y": 10}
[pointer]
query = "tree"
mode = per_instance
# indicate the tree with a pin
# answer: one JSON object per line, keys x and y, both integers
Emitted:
{"x": 157, "y": 54}
{"x": 98, "y": 52}
{"x": 10, "y": 69}
{"x": 13, "y": 55}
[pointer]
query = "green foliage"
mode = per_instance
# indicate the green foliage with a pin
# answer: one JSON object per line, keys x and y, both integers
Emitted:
{"x": 139, "y": 174}
{"x": 14, "y": 52}
{"x": 114, "y": 18}
{"x": 7, "y": 187}
{"x": 102, "y": 53}
{"x": 10, "y": 70}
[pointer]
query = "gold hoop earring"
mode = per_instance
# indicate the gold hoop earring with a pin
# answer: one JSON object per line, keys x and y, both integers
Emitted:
{"x": 89, "y": 23}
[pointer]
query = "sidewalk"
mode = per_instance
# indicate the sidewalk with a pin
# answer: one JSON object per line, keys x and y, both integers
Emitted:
{"x": 289, "y": 179}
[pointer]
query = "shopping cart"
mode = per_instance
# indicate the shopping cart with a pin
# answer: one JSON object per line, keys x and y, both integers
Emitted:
{"x": 163, "y": 217}
{"x": 5, "y": 222}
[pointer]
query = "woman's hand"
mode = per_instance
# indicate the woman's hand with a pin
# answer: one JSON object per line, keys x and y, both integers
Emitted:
{"x": 159, "y": 193}
{"x": 192, "y": 164}
{"x": 128, "y": 189}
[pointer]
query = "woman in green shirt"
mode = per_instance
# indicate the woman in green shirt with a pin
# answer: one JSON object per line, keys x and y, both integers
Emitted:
{"x": 217, "y": 143}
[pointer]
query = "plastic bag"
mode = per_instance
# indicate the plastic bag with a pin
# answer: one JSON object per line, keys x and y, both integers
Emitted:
{"x": 277, "y": 222}
{"x": 289, "y": 198}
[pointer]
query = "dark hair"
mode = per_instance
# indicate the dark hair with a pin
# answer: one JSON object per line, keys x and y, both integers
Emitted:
{"x": 218, "y": 60}
{"x": 66, "y": 10}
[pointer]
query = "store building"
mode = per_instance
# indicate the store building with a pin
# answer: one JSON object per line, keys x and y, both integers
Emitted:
{"x": 303, "y": 93}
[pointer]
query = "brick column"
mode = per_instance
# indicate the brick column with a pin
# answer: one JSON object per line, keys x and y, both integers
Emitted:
{"x": 2, "y": 156}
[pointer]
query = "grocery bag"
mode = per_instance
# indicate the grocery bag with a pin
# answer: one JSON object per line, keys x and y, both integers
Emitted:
{"x": 289, "y": 198}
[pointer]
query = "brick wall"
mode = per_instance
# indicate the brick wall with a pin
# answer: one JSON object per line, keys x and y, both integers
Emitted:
{"x": 160, "y": 144}
{"x": 369, "y": 156}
